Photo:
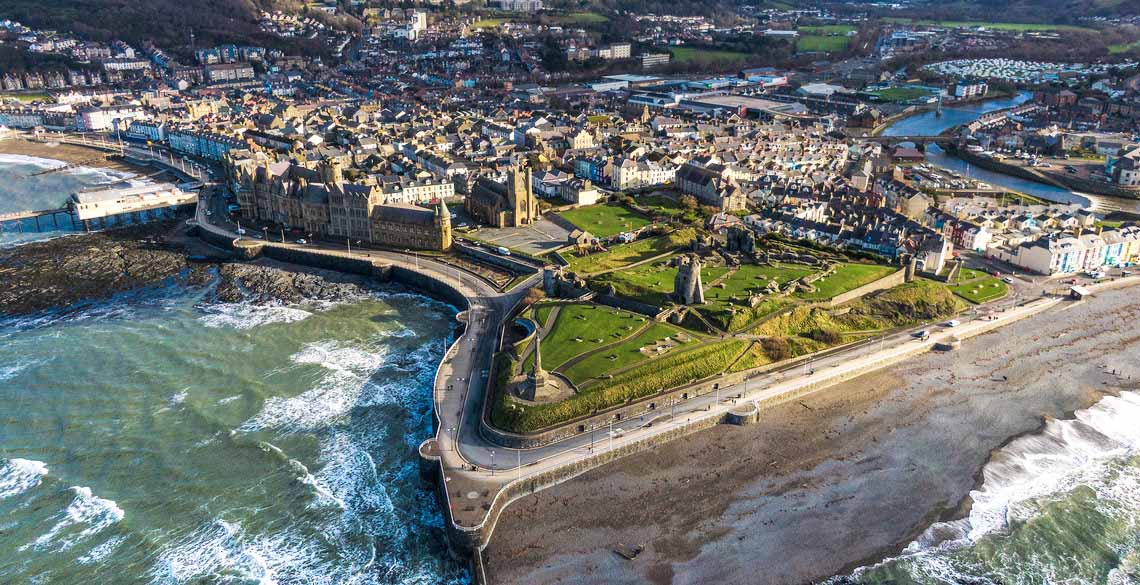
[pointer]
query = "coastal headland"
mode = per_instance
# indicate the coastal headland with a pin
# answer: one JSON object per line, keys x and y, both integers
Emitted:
{"x": 883, "y": 455}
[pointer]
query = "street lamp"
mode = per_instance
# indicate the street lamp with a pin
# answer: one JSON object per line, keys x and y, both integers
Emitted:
{"x": 492, "y": 463}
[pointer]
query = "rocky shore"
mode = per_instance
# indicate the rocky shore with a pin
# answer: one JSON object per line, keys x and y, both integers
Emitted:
{"x": 59, "y": 273}
{"x": 839, "y": 479}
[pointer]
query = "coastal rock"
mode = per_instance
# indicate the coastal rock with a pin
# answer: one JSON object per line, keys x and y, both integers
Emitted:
{"x": 264, "y": 284}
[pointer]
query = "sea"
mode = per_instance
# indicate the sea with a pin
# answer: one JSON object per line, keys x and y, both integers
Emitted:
{"x": 161, "y": 437}
{"x": 25, "y": 187}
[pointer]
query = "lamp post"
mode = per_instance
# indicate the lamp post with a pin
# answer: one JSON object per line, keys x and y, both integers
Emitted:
{"x": 492, "y": 463}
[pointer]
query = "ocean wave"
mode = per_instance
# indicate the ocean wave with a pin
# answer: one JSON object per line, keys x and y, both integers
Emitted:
{"x": 346, "y": 372}
{"x": 9, "y": 371}
{"x": 37, "y": 161}
{"x": 86, "y": 513}
{"x": 101, "y": 551}
{"x": 20, "y": 475}
{"x": 243, "y": 316}
{"x": 1086, "y": 452}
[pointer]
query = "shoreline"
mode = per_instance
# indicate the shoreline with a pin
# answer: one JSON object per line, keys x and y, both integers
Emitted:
{"x": 704, "y": 511}
{"x": 70, "y": 154}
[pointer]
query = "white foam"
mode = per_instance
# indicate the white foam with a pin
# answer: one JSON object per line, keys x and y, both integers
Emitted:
{"x": 100, "y": 552}
{"x": 23, "y": 159}
{"x": 244, "y": 316}
{"x": 20, "y": 475}
{"x": 86, "y": 513}
{"x": 347, "y": 369}
{"x": 1065, "y": 454}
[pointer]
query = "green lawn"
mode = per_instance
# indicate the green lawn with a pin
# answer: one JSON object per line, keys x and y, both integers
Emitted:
{"x": 626, "y": 354}
{"x": 605, "y": 220}
{"x": 581, "y": 328}
{"x": 651, "y": 283}
{"x": 1011, "y": 26}
{"x": 27, "y": 98}
{"x": 489, "y": 22}
{"x": 542, "y": 313}
{"x": 1124, "y": 47}
{"x": 580, "y": 18}
{"x": 666, "y": 206}
{"x": 981, "y": 291}
{"x": 631, "y": 253}
{"x": 827, "y": 29}
{"x": 690, "y": 55}
{"x": 821, "y": 43}
{"x": 732, "y": 315}
{"x": 846, "y": 277}
{"x": 900, "y": 94}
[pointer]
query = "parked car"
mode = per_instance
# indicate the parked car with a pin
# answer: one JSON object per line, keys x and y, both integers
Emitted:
{"x": 952, "y": 323}
{"x": 503, "y": 251}
{"x": 1007, "y": 280}
{"x": 302, "y": 241}
{"x": 923, "y": 334}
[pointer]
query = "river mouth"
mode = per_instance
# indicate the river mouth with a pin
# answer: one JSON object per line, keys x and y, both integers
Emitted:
{"x": 170, "y": 438}
{"x": 930, "y": 124}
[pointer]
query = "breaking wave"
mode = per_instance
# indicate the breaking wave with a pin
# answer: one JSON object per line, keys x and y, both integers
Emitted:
{"x": 20, "y": 475}
{"x": 244, "y": 316}
{"x": 1085, "y": 467}
{"x": 84, "y": 517}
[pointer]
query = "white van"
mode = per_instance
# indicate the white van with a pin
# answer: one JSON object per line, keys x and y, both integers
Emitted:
{"x": 952, "y": 323}
{"x": 504, "y": 251}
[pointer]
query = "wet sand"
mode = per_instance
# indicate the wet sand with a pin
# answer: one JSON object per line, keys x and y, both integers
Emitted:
{"x": 842, "y": 478}
{"x": 69, "y": 153}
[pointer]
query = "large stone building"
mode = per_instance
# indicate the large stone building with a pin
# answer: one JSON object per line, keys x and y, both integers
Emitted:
{"x": 687, "y": 286}
{"x": 322, "y": 203}
{"x": 504, "y": 205}
{"x": 710, "y": 187}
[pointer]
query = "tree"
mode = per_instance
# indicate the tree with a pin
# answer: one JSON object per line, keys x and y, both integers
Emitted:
{"x": 688, "y": 202}
{"x": 533, "y": 296}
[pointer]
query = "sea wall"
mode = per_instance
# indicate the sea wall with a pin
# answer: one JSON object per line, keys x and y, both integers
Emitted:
{"x": 501, "y": 261}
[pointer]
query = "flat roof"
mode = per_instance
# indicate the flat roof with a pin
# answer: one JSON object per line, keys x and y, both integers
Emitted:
{"x": 633, "y": 78}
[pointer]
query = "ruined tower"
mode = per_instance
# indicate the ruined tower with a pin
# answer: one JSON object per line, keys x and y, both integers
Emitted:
{"x": 687, "y": 286}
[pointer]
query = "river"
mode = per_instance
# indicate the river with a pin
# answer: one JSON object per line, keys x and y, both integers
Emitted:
{"x": 930, "y": 124}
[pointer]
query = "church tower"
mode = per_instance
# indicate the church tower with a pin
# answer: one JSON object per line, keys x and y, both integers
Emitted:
{"x": 520, "y": 196}
{"x": 443, "y": 225}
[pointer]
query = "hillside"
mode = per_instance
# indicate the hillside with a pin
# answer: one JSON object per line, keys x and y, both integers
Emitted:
{"x": 167, "y": 22}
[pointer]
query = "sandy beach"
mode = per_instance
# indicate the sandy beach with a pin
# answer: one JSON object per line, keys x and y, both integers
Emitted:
{"x": 69, "y": 153}
{"x": 842, "y": 478}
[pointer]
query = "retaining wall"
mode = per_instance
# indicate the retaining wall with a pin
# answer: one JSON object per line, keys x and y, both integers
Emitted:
{"x": 889, "y": 281}
{"x": 496, "y": 259}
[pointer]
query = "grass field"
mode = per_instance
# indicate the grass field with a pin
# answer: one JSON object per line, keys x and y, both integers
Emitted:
{"x": 732, "y": 315}
{"x": 827, "y": 29}
{"x": 846, "y": 277}
{"x": 666, "y": 206}
{"x": 579, "y": 18}
{"x": 1124, "y": 48}
{"x": 626, "y": 254}
{"x": 542, "y": 313}
{"x": 605, "y": 220}
{"x": 900, "y": 94}
{"x": 981, "y": 291}
{"x": 26, "y": 98}
{"x": 621, "y": 356}
{"x": 689, "y": 55}
{"x": 489, "y": 22}
{"x": 651, "y": 283}
{"x": 1010, "y": 26}
{"x": 582, "y": 328}
{"x": 821, "y": 43}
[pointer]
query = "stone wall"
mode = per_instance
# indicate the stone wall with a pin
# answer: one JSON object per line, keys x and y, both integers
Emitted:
{"x": 499, "y": 260}
{"x": 651, "y": 311}
{"x": 890, "y": 281}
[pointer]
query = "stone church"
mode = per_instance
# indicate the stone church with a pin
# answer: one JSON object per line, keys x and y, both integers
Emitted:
{"x": 504, "y": 205}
